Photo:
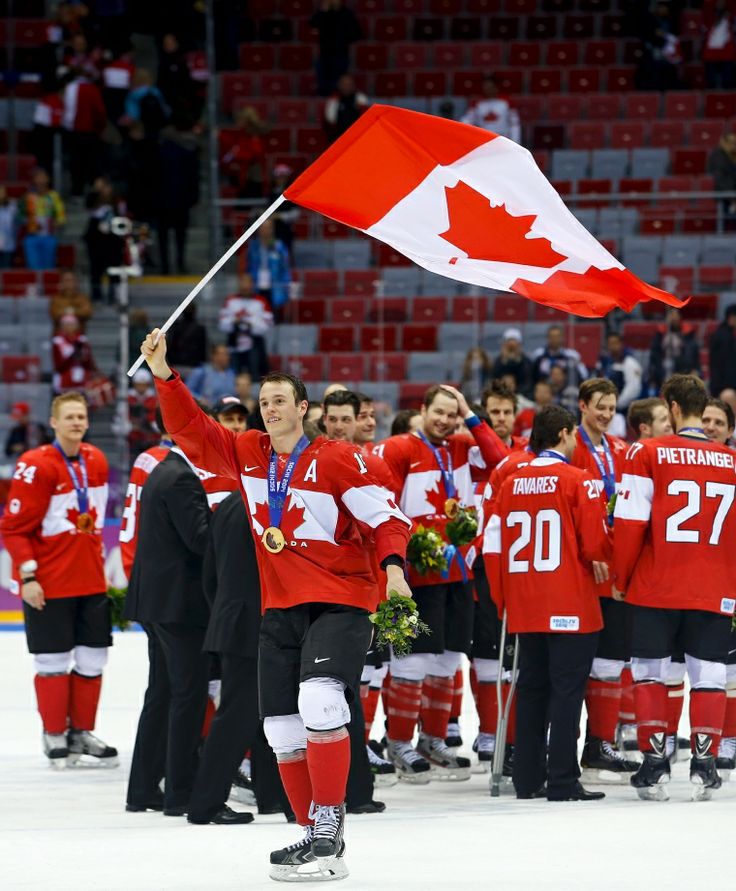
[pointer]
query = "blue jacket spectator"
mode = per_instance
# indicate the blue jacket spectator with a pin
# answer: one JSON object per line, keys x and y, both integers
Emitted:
{"x": 269, "y": 266}
{"x": 214, "y": 380}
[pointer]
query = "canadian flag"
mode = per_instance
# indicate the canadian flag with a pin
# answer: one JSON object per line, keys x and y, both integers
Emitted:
{"x": 467, "y": 204}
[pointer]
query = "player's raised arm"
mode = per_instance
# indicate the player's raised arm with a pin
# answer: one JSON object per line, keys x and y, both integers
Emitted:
{"x": 490, "y": 448}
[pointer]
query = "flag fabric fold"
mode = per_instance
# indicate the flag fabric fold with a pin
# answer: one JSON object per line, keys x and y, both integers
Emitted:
{"x": 469, "y": 205}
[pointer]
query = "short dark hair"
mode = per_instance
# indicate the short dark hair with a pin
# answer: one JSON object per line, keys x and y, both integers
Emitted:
{"x": 594, "y": 385}
{"x": 688, "y": 391}
{"x": 362, "y": 397}
{"x": 343, "y": 397}
{"x": 730, "y": 311}
{"x": 433, "y": 392}
{"x": 547, "y": 426}
{"x": 499, "y": 390}
{"x": 641, "y": 411}
{"x": 725, "y": 408}
{"x": 296, "y": 384}
{"x": 401, "y": 422}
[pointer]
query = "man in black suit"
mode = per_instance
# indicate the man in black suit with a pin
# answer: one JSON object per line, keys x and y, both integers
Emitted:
{"x": 165, "y": 595}
{"x": 233, "y": 590}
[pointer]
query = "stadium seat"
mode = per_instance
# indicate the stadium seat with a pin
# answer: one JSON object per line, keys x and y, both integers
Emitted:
{"x": 627, "y": 134}
{"x": 305, "y": 311}
{"x": 388, "y": 309}
{"x": 585, "y": 135}
{"x": 346, "y": 367}
{"x": 701, "y": 306}
{"x": 578, "y": 27}
{"x": 510, "y": 309}
{"x": 378, "y": 338}
{"x": 600, "y": 52}
{"x": 20, "y": 369}
{"x": 426, "y": 28}
{"x": 593, "y": 187}
{"x": 638, "y": 187}
{"x": 360, "y": 282}
{"x": 641, "y": 105}
{"x": 387, "y": 29}
{"x": 410, "y": 56}
{"x": 541, "y": 27}
{"x": 401, "y": 280}
{"x": 586, "y": 338}
{"x": 393, "y": 83}
{"x": 682, "y": 106}
{"x": 667, "y": 134}
{"x": 620, "y": 79}
{"x": 430, "y": 83}
{"x": 659, "y": 220}
{"x": 561, "y": 53}
{"x": 448, "y": 56}
{"x": 419, "y": 338}
{"x": 570, "y": 164}
{"x": 551, "y": 136}
{"x": 412, "y": 394}
{"x": 678, "y": 280}
{"x": 716, "y": 276}
{"x": 719, "y": 250}
{"x": 689, "y": 161}
{"x": 427, "y": 366}
{"x": 372, "y": 57}
{"x": 254, "y": 57}
{"x": 348, "y": 311}
{"x": 503, "y": 27}
{"x": 352, "y": 253}
{"x": 603, "y": 107}
{"x": 429, "y": 309}
{"x": 588, "y": 217}
{"x": 466, "y": 28}
{"x": 705, "y": 134}
{"x": 388, "y": 366}
{"x": 466, "y": 83}
{"x": 320, "y": 283}
{"x": 469, "y": 309}
{"x": 616, "y": 222}
{"x": 562, "y": 107}
{"x": 525, "y": 53}
{"x": 308, "y": 368}
{"x": 680, "y": 250}
{"x": 608, "y": 163}
{"x": 434, "y": 285}
{"x": 296, "y": 57}
{"x": 545, "y": 80}
{"x": 456, "y": 336}
{"x": 336, "y": 339}
{"x": 313, "y": 254}
{"x": 486, "y": 56}
{"x": 547, "y": 314}
{"x": 583, "y": 80}
{"x": 638, "y": 335}
{"x": 720, "y": 105}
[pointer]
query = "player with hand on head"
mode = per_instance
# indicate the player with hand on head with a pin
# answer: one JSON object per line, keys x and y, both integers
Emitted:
{"x": 310, "y": 505}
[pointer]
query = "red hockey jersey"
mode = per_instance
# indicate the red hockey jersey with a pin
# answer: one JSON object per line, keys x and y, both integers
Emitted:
{"x": 141, "y": 470}
{"x": 547, "y": 525}
{"x": 676, "y": 525}
{"x": 40, "y": 522}
{"x": 420, "y": 488}
{"x": 334, "y": 504}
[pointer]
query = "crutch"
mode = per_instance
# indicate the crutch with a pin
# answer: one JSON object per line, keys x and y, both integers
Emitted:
{"x": 503, "y": 712}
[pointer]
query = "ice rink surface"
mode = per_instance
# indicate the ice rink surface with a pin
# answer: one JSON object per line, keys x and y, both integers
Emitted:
{"x": 68, "y": 830}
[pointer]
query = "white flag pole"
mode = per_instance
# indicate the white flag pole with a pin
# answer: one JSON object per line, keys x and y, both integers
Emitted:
{"x": 215, "y": 269}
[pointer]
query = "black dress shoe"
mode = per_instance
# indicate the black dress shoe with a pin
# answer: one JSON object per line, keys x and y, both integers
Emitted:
{"x": 155, "y": 804}
{"x": 179, "y": 811}
{"x": 576, "y": 793}
{"x": 540, "y": 793}
{"x": 226, "y": 816}
{"x": 370, "y": 807}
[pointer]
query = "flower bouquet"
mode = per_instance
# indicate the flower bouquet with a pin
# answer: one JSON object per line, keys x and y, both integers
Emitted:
{"x": 463, "y": 528}
{"x": 426, "y": 551}
{"x": 116, "y": 599}
{"x": 397, "y": 623}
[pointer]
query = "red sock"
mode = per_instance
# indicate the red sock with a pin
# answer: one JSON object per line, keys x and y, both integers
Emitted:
{"x": 209, "y": 714}
{"x": 386, "y": 693}
{"x": 650, "y": 699}
{"x": 511, "y": 723}
{"x": 370, "y": 704}
{"x": 328, "y": 757}
{"x": 404, "y": 701}
{"x": 603, "y": 699}
{"x": 474, "y": 684}
{"x": 729, "y": 721}
{"x": 84, "y": 694}
{"x": 52, "y": 695}
{"x": 626, "y": 710}
{"x": 675, "y": 702}
{"x": 707, "y": 713}
{"x": 486, "y": 699}
{"x": 457, "y": 694}
{"x": 294, "y": 773}
{"x": 437, "y": 695}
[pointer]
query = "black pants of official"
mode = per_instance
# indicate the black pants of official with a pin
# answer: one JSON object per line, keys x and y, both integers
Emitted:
{"x": 553, "y": 672}
{"x": 170, "y": 725}
{"x": 360, "y": 779}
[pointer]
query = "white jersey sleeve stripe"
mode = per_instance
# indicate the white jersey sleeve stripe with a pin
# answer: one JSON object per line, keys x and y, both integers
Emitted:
{"x": 492, "y": 536}
{"x": 372, "y": 505}
{"x": 634, "y": 499}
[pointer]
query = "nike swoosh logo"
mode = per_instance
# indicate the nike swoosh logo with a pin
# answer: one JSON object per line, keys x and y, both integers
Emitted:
{"x": 246, "y": 468}
{"x": 326, "y": 659}
{"x": 415, "y": 464}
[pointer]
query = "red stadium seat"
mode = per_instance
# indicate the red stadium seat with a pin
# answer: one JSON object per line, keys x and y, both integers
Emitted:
{"x": 429, "y": 309}
{"x": 523, "y": 53}
{"x": 600, "y": 52}
{"x": 336, "y": 339}
{"x": 583, "y": 80}
{"x": 639, "y": 188}
{"x": 691, "y": 23}
{"x": 613, "y": 26}
{"x": 308, "y": 368}
{"x": 658, "y": 220}
{"x": 425, "y": 28}
{"x": 389, "y": 256}
{"x": 467, "y": 83}
{"x": 564, "y": 107}
{"x": 346, "y": 367}
{"x": 389, "y": 28}
{"x": 391, "y": 83}
{"x": 561, "y": 52}
{"x": 548, "y": 136}
{"x": 503, "y": 28}
{"x": 641, "y": 105}
{"x": 705, "y": 134}
{"x": 627, "y": 134}
{"x": 430, "y": 83}
{"x": 320, "y": 282}
{"x": 701, "y": 219}
{"x": 683, "y": 106}
{"x": 20, "y": 369}
{"x": 578, "y": 27}
{"x": 371, "y": 56}
{"x": 633, "y": 52}
{"x": 278, "y": 140}
{"x": 448, "y": 56}
{"x": 276, "y": 85}
{"x": 419, "y": 338}
{"x": 443, "y": 7}
{"x": 677, "y": 279}
{"x": 562, "y": 186}
{"x": 541, "y": 157}
{"x": 716, "y": 276}
{"x": 594, "y": 187}
{"x": 584, "y": 135}
{"x": 549, "y": 314}
{"x": 30, "y": 32}
{"x": 486, "y": 56}
{"x": 510, "y": 309}
{"x": 50, "y": 281}
{"x": 620, "y": 79}
{"x": 541, "y": 27}
{"x": 295, "y": 112}
{"x": 410, "y": 55}
{"x": 412, "y": 395}
{"x": 667, "y": 134}
{"x": 531, "y": 108}
{"x": 720, "y": 105}
{"x": 689, "y": 161}
{"x": 359, "y": 282}
{"x": 375, "y": 338}
{"x": 310, "y": 140}
{"x": 348, "y": 311}
{"x": 520, "y": 7}
{"x": 388, "y": 366}
{"x": 469, "y": 309}
{"x": 603, "y": 107}
{"x": 465, "y": 28}
{"x": 510, "y": 80}
{"x": 257, "y": 57}
{"x": 388, "y": 309}
{"x": 305, "y": 312}
{"x": 234, "y": 85}
{"x": 545, "y": 80}
{"x": 639, "y": 335}
{"x": 701, "y": 306}
{"x": 586, "y": 338}
{"x": 296, "y": 57}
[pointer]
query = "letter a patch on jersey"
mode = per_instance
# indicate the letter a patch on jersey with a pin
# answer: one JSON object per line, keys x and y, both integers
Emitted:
{"x": 311, "y": 473}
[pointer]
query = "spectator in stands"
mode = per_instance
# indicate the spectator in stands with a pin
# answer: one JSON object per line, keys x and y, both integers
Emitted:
{"x": 246, "y": 318}
{"x": 243, "y": 153}
{"x": 288, "y": 213}
{"x": 174, "y": 78}
{"x": 407, "y": 420}
{"x": 104, "y": 248}
{"x": 8, "y": 228}
{"x": 719, "y": 45}
{"x": 139, "y": 324}
{"x": 70, "y": 300}
{"x": 187, "y": 341}
{"x": 618, "y": 363}
{"x": 661, "y": 57}
{"x": 338, "y": 28}
{"x": 269, "y": 266}
{"x": 722, "y": 167}
{"x": 117, "y": 81}
{"x": 524, "y": 420}
{"x": 79, "y": 57}
{"x": 344, "y": 107}
{"x": 26, "y": 434}
{"x": 722, "y": 349}
{"x": 178, "y": 186}
{"x": 563, "y": 392}
{"x": 48, "y": 116}
{"x": 512, "y": 360}
{"x": 477, "y": 371}
{"x": 675, "y": 350}
{"x": 74, "y": 364}
{"x": 41, "y": 213}
{"x": 214, "y": 379}
{"x": 314, "y": 413}
{"x": 494, "y": 112}
{"x": 142, "y": 413}
{"x": 84, "y": 121}
{"x": 146, "y": 105}
{"x": 554, "y": 353}
{"x": 244, "y": 392}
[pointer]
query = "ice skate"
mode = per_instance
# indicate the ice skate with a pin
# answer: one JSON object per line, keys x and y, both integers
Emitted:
{"x": 329, "y": 827}
{"x": 484, "y": 746}
{"x": 384, "y": 772}
{"x": 626, "y": 739}
{"x": 411, "y": 767}
{"x": 726, "y": 760}
{"x": 445, "y": 764}
{"x": 704, "y": 777}
{"x": 650, "y": 780}
{"x": 453, "y": 739}
{"x": 56, "y": 750}
{"x": 82, "y": 742}
{"x": 603, "y": 763}
{"x": 297, "y": 863}
{"x": 242, "y": 789}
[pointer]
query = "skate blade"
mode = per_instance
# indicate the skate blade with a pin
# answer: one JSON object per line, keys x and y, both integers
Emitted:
{"x": 595, "y": 777}
{"x": 385, "y": 779}
{"x": 415, "y": 779}
{"x": 244, "y": 796}
{"x": 482, "y": 767}
{"x": 700, "y": 792}
{"x": 725, "y": 774}
{"x": 57, "y": 763}
{"x": 80, "y": 761}
{"x": 450, "y": 774}
{"x": 654, "y": 793}
{"x": 324, "y": 869}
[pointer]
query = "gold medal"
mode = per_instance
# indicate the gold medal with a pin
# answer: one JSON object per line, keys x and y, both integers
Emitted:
{"x": 273, "y": 540}
{"x": 452, "y": 508}
{"x": 85, "y": 523}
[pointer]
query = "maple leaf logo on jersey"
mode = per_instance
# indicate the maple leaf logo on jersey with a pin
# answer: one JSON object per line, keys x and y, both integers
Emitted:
{"x": 292, "y": 518}
{"x": 72, "y": 516}
{"x": 492, "y": 233}
{"x": 261, "y": 515}
{"x": 436, "y": 497}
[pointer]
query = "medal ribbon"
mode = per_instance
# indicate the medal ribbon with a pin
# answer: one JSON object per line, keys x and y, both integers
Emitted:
{"x": 548, "y": 453}
{"x": 698, "y": 430}
{"x": 279, "y": 489}
{"x": 446, "y": 472}
{"x": 80, "y": 489}
{"x": 453, "y": 555}
{"x": 607, "y": 472}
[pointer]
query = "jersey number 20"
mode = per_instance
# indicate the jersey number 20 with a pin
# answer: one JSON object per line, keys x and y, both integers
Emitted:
{"x": 545, "y": 529}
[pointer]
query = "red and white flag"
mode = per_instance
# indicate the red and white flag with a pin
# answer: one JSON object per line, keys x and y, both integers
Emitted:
{"x": 467, "y": 204}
